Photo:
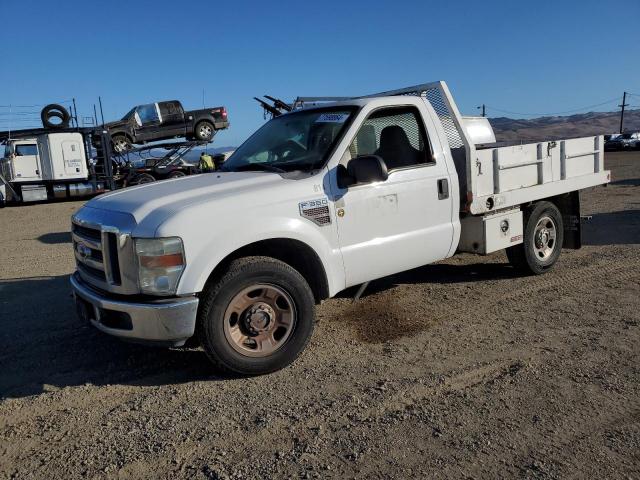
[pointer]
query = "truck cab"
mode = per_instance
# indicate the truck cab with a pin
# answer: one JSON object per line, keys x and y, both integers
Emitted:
{"x": 336, "y": 193}
{"x": 46, "y": 166}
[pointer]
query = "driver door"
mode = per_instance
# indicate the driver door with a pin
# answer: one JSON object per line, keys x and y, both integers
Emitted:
{"x": 148, "y": 121}
{"x": 405, "y": 221}
{"x": 26, "y": 161}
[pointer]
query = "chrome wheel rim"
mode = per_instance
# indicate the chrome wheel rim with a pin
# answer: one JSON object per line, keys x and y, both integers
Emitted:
{"x": 259, "y": 320}
{"x": 120, "y": 145}
{"x": 544, "y": 238}
{"x": 205, "y": 131}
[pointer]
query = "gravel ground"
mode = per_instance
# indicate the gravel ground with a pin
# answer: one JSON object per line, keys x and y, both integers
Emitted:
{"x": 459, "y": 369}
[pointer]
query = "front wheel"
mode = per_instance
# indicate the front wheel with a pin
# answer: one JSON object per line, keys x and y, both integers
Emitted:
{"x": 204, "y": 131}
{"x": 142, "y": 179}
{"x": 257, "y": 317}
{"x": 120, "y": 143}
{"x": 543, "y": 237}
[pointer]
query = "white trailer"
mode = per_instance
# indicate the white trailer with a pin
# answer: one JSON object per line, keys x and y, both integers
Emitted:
{"x": 45, "y": 166}
{"x": 320, "y": 199}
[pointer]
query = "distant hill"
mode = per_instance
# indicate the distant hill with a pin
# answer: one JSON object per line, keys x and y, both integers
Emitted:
{"x": 554, "y": 128}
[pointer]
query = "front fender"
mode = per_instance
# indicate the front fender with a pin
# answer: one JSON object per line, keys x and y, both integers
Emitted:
{"x": 204, "y": 254}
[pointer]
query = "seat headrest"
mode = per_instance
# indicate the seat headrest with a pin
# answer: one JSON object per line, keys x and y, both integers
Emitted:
{"x": 366, "y": 140}
{"x": 394, "y": 136}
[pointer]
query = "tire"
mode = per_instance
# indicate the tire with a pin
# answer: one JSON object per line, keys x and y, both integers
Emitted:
{"x": 542, "y": 243}
{"x": 204, "y": 131}
{"x": 120, "y": 143}
{"x": 177, "y": 174}
{"x": 243, "y": 315}
{"x": 142, "y": 179}
{"x": 54, "y": 110}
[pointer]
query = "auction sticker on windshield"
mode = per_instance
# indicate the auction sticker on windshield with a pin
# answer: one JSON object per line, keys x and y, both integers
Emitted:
{"x": 333, "y": 117}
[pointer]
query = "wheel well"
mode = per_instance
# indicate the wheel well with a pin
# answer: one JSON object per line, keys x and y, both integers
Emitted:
{"x": 295, "y": 253}
{"x": 569, "y": 206}
{"x": 122, "y": 134}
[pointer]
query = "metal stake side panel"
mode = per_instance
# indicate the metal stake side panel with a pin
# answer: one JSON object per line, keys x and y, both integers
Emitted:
{"x": 510, "y": 176}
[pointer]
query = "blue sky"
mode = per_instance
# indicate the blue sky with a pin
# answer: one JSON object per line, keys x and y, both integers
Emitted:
{"x": 522, "y": 56}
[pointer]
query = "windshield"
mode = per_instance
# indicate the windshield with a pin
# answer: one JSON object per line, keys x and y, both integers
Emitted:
{"x": 129, "y": 113}
{"x": 296, "y": 141}
{"x": 626, "y": 136}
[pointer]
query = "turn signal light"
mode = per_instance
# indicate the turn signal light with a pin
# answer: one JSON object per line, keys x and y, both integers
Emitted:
{"x": 171, "y": 260}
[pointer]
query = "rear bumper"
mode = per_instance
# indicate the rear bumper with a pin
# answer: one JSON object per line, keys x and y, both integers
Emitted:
{"x": 167, "y": 322}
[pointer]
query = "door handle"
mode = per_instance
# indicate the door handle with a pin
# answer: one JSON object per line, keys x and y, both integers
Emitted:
{"x": 443, "y": 189}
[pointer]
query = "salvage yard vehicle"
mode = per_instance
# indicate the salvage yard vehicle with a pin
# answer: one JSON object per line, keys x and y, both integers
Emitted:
{"x": 46, "y": 166}
{"x": 153, "y": 163}
{"x": 164, "y": 120}
{"x": 623, "y": 141}
{"x": 318, "y": 200}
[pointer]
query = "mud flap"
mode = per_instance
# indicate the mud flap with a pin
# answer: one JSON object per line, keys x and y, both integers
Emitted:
{"x": 569, "y": 206}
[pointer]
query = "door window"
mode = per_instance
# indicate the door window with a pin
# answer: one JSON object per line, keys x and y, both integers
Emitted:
{"x": 147, "y": 113}
{"x": 26, "y": 149}
{"x": 397, "y": 135}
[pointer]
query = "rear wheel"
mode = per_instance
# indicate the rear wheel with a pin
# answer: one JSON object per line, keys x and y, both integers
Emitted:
{"x": 543, "y": 237}
{"x": 257, "y": 317}
{"x": 204, "y": 131}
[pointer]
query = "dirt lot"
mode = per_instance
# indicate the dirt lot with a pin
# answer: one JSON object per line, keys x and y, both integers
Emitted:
{"x": 459, "y": 369}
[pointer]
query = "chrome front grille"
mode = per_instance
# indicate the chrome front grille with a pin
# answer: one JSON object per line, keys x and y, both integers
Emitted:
{"x": 104, "y": 253}
{"x": 88, "y": 244}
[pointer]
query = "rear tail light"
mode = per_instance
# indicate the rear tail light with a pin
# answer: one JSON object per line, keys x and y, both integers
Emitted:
{"x": 222, "y": 111}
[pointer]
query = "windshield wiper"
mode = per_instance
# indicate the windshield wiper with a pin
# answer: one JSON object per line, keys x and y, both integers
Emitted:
{"x": 265, "y": 167}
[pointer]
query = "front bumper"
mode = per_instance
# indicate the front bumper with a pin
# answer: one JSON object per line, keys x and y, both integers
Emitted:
{"x": 163, "y": 322}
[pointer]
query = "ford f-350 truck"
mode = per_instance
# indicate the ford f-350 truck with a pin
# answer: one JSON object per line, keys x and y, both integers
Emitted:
{"x": 329, "y": 196}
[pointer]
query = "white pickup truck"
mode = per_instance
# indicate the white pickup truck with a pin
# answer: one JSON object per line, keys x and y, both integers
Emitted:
{"x": 331, "y": 195}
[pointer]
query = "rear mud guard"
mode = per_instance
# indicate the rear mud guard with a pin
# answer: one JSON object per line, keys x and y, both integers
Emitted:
{"x": 569, "y": 206}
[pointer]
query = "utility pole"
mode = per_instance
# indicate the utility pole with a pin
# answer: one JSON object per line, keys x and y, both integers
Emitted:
{"x": 624, "y": 104}
{"x": 483, "y": 110}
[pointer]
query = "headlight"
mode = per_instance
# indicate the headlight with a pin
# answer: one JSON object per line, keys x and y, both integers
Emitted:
{"x": 160, "y": 264}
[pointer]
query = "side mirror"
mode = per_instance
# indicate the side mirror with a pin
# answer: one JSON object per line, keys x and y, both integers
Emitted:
{"x": 362, "y": 170}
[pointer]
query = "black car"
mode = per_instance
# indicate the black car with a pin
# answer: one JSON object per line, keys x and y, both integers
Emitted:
{"x": 624, "y": 141}
{"x": 164, "y": 120}
{"x": 152, "y": 163}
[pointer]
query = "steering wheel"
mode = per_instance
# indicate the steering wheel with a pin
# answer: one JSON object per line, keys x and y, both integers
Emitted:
{"x": 287, "y": 149}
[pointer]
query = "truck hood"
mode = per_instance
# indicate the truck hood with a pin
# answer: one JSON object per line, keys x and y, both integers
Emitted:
{"x": 154, "y": 202}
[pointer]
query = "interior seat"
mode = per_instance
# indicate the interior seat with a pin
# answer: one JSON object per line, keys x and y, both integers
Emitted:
{"x": 396, "y": 150}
